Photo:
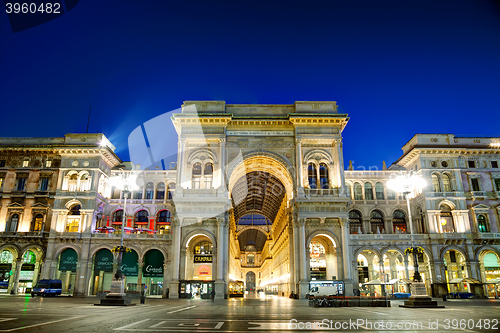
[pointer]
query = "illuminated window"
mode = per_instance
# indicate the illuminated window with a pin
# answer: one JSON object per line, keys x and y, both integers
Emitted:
{"x": 481, "y": 223}
{"x": 48, "y": 164}
{"x": 72, "y": 182}
{"x": 26, "y": 164}
{"x": 36, "y": 224}
{"x": 203, "y": 247}
{"x": 355, "y": 222}
{"x": 377, "y": 222}
{"x": 446, "y": 219}
{"x": 399, "y": 222}
{"x": 73, "y": 224}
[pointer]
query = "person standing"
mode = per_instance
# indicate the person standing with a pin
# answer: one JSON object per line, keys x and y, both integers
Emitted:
{"x": 212, "y": 294}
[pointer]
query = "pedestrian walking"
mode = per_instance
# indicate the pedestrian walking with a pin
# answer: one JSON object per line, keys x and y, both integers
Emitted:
{"x": 212, "y": 294}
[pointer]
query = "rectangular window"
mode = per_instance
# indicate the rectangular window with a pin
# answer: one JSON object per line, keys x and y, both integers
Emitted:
{"x": 497, "y": 184}
{"x": 149, "y": 195}
{"x": 471, "y": 164}
{"x": 453, "y": 257}
{"x": 44, "y": 184}
{"x": 160, "y": 194}
{"x": 475, "y": 184}
{"x": 138, "y": 194}
{"x": 48, "y": 164}
{"x": 21, "y": 183}
{"x": 494, "y": 164}
{"x": 2, "y": 163}
{"x": 391, "y": 195}
{"x": 26, "y": 164}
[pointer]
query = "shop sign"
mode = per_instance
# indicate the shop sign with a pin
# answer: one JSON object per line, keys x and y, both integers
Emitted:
{"x": 153, "y": 264}
{"x": 68, "y": 260}
{"x": 28, "y": 267}
{"x": 104, "y": 261}
{"x": 199, "y": 258}
{"x": 5, "y": 267}
{"x": 129, "y": 264}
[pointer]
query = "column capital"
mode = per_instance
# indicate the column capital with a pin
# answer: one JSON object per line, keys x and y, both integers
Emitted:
{"x": 301, "y": 222}
{"x": 298, "y": 140}
{"x": 222, "y": 140}
{"x": 344, "y": 223}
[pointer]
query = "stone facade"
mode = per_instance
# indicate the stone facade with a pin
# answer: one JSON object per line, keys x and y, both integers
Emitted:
{"x": 258, "y": 196}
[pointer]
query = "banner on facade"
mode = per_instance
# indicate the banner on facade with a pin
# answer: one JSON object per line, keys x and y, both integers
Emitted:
{"x": 129, "y": 264}
{"x": 153, "y": 264}
{"x": 67, "y": 262}
{"x": 28, "y": 267}
{"x": 201, "y": 259}
{"x": 104, "y": 261}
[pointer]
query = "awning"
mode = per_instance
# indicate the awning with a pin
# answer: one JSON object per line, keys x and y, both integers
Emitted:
{"x": 374, "y": 282}
{"x": 465, "y": 280}
{"x": 493, "y": 281}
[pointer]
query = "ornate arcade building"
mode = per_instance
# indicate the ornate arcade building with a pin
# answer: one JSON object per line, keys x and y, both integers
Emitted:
{"x": 258, "y": 201}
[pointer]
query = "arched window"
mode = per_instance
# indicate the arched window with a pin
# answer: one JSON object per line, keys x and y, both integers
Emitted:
{"x": 163, "y": 222}
{"x": 311, "y": 175}
{"x": 379, "y": 191}
{"x": 118, "y": 216}
{"x": 203, "y": 247}
{"x": 160, "y": 191}
{"x": 377, "y": 222}
{"x": 85, "y": 182}
{"x": 36, "y": 224}
{"x": 12, "y": 225}
{"x": 368, "y": 191}
{"x": 72, "y": 182}
{"x": 436, "y": 186}
{"x": 171, "y": 190}
{"x": 446, "y": 219}
{"x": 481, "y": 223}
{"x": 75, "y": 210}
{"x": 208, "y": 174}
{"x": 138, "y": 193}
{"x": 446, "y": 183}
{"x": 391, "y": 195}
{"x": 349, "y": 191}
{"x": 323, "y": 175}
{"x": 196, "y": 175}
{"x": 141, "y": 216}
{"x": 358, "y": 192}
{"x": 420, "y": 221}
{"x": 150, "y": 188}
{"x": 399, "y": 222}
{"x": 250, "y": 259}
{"x": 355, "y": 222}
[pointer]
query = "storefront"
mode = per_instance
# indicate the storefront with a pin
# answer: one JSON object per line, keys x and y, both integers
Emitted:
{"x": 236, "y": 289}
{"x": 196, "y": 289}
{"x": 492, "y": 273}
{"x": 6, "y": 259}
{"x": 131, "y": 271}
{"x": 152, "y": 272}
{"x": 317, "y": 261}
{"x": 338, "y": 284}
{"x": 67, "y": 270}
{"x": 26, "y": 275}
{"x": 103, "y": 271}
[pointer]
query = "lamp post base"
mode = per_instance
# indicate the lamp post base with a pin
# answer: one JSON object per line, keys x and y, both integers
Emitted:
{"x": 117, "y": 296}
{"x": 419, "y": 298}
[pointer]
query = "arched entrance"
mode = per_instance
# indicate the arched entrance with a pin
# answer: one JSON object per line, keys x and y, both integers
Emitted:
{"x": 66, "y": 269}
{"x": 197, "y": 281}
{"x": 260, "y": 189}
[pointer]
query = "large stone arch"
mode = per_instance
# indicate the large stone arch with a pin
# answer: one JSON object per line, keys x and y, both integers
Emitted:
{"x": 262, "y": 161}
{"x": 392, "y": 248}
{"x": 13, "y": 248}
{"x": 482, "y": 250}
{"x": 59, "y": 249}
{"x": 445, "y": 249}
{"x": 96, "y": 248}
{"x": 142, "y": 253}
{"x": 247, "y": 227}
{"x": 360, "y": 250}
{"x": 40, "y": 253}
{"x": 186, "y": 241}
{"x": 324, "y": 232}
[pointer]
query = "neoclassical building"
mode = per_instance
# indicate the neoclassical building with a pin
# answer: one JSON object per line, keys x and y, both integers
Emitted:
{"x": 258, "y": 199}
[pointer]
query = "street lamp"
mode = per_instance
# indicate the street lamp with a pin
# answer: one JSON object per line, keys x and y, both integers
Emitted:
{"x": 406, "y": 183}
{"x": 126, "y": 182}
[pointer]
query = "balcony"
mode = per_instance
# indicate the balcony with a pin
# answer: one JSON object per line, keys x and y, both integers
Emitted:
{"x": 20, "y": 234}
{"x": 323, "y": 192}
{"x": 117, "y": 236}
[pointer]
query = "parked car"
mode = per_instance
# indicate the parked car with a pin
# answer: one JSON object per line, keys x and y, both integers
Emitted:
{"x": 47, "y": 287}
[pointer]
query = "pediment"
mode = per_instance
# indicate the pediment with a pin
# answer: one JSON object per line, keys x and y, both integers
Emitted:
{"x": 40, "y": 205}
{"x": 15, "y": 205}
{"x": 481, "y": 207}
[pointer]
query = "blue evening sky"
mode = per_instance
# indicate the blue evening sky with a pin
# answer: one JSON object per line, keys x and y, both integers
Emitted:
{"x": 397, "y": 68}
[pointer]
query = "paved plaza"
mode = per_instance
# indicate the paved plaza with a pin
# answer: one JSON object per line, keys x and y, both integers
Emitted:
{"x": 71, "y": 314}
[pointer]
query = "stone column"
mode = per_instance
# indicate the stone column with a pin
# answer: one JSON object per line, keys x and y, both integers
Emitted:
{"x": 17, "y": 275}
{"x": 303, "y": 282}
{"x": 180, "y": 160}
{"x": 36, "y": 272}
{"x": 176, "y": 245}
{"x": 165, "y": 278}
{"x": 340, "y": 166}
{"x": 298, "y": 143}
{"x": 222, "y": 162}
{"x": 344, "y": 223}
{"x": 407, "y": 273}
{"x": 220, "y": 281}
{"x": 182, "y": 264}
{"x": 291, "y": 255}
{"x": 140, "y": 264}
{"x": 46, "y": 269}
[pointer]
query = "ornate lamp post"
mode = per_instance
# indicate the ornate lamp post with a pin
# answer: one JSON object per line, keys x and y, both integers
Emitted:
{"x": 406, "y": 183}
{"x": 126, "y": 181}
